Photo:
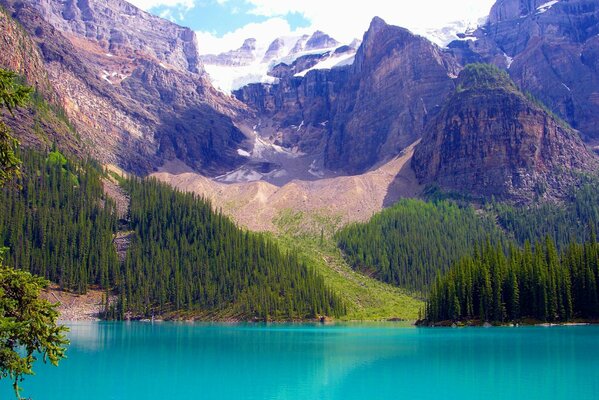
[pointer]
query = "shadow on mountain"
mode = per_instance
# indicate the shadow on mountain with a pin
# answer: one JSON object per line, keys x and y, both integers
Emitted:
{"x": 201, "y": 138}
{"x": 403, "y": 185}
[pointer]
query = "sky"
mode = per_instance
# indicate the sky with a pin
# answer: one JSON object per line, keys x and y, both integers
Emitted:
{"x": 223, "y": 24}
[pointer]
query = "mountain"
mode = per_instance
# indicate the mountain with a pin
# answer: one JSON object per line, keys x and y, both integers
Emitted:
{"x": 490, "y": 139}
{"x": 360, "y": 112}
{"x": 253, "y": 62}
{"x": 131, "y": 84}
{"x": 44, "y": 121}
{"x": 550, "y": 49}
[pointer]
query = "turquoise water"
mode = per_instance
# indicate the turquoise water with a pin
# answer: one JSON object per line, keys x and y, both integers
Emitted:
{"x": 189, "y": 361}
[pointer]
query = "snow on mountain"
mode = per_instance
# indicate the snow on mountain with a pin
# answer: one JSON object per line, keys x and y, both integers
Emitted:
{"x": 253, "y": 62}
{"x": 546, "y": 6}
{"x": 331, "y": 61}
{"x": 457, "y": 30}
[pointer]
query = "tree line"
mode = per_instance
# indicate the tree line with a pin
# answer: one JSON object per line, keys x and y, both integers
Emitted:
{"x": 186, "y": 256}
{"x": 58, "y": 224}
{"x": 534, "y": 281}
{"x": 409, "y": 243}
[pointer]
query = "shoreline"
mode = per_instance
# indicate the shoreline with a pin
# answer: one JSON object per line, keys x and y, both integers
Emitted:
{"x": 512, "y": 324}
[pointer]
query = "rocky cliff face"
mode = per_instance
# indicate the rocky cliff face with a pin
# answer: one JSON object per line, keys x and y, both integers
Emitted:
{"x": 122, "y": 29}
{"x": 138, "y": 104}
{"x": 245, "y": 55}
{"x": 550, "y": 49}
{"x": 396, "y": 82}
{"x": 492, "y": 140}
{"x": 359, "y": 114}
{"x": 42, "y": 121}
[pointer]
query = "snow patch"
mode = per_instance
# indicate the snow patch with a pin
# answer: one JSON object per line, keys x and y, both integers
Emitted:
{"x": 330, "y": 62}
{"x": 546, "y": 6}
{"x": 228, "y": 78}
{"x": 508, "y": 60}
{"x": 240, "y": 175}
{"x": 315, "y": 171}
{"x": 243, "y": 153}
{"x": 111, "y": 76}
{"x": 457, "y": 30}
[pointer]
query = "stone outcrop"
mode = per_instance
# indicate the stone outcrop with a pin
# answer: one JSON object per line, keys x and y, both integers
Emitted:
{"x": 139, "y": 104}
{"x": 550, "y": 49}
{"x": 360, "y": 114}
{"x": 492, "y": 140}
{"x": 244, "y": 55}
{"x": 119, "y": 28}
{"x": 42, "y": 122}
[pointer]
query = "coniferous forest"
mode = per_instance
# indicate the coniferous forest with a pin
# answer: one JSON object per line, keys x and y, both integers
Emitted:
{"x": 58, "y": 223}
{"x": 409, "y": 243}
{"x": 186, "y": 256}
{"x": 533, "y": 282}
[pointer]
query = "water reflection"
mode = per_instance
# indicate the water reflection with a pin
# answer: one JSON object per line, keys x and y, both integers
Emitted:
{"x": 169, "y": 360}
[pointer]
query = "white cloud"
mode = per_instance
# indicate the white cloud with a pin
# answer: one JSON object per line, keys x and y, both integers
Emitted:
{"x": 148, "y": 4}
{"x": 345, "y": 21}
{"x": 264, "y": 33}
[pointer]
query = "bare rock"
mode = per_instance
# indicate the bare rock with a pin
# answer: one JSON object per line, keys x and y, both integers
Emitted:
{"x": 492, "y": 140}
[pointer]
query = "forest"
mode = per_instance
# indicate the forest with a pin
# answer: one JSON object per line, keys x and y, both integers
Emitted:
{"x": 533, "y": 282}
{"x": 409, "y": 243}
{"x": 58, "y": 223}
{"x": 186, "y": 256}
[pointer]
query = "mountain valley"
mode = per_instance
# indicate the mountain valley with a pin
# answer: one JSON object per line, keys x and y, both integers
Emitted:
{"x": 299, "y": 147}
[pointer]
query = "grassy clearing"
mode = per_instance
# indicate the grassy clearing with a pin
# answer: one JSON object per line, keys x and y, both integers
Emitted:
{"x": 367, "y": 299}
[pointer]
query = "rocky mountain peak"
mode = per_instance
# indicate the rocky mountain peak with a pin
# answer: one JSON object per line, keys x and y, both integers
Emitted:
{"x": 376, "y": 25}
{"x": 274, "y": 50}
{"x": 320, "y": 40}
{"x": 120, "y": 28}
{"x": 504, "y": 10}
{"x": 490, "y": 139}
{"x": 248, "y": 45}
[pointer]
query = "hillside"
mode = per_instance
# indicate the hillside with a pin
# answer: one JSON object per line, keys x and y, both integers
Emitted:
{"x": 257, "y": 205}
{"x": 490, "y": 139}
{"x": 184, "y": 260}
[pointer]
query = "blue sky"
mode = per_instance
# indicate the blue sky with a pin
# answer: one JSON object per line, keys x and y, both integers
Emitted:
{"x": 222, "y": 17}
{"x": 224, "y": 24}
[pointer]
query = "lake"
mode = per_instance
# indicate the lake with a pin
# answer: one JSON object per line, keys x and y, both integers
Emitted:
{"x": 147, "y": 361}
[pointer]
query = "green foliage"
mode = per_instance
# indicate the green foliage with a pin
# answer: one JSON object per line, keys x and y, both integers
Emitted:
{"x": 409, "y": 243}
{"x": 28, "y": 326}
{"x": 186, "y": 256}
{"x": 12, "y": 95}
{"x": 366, "y": 298}
{"x": 483, "y": 76}
{"x": 565, "y": 223}
{"x": 529, "y": 283}
{"x": 59, "y": 224}
{"x": 183, "y": 256}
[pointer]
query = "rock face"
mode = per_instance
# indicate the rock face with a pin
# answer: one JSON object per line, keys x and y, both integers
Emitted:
{"x": 551, "y": 49}
{"x": 245, "y": 55}
{"x": 135, "y": 100}
{"x": 42, "y": 122}
{"x": 359, "y": 114}
{"x": 121, "y": 28}
{"x": 396, "y": 81}
{"x": 492, "y": 140}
